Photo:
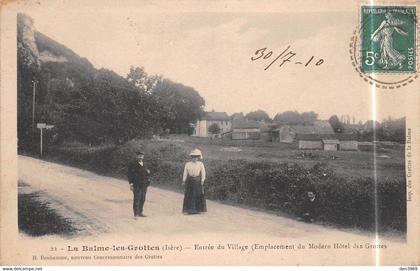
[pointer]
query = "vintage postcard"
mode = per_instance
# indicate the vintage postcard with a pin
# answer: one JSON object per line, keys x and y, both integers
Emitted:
{"x": 209, "y": 133}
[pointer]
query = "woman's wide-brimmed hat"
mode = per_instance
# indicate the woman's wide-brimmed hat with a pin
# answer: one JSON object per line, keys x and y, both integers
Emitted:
{"x": 139, "y": 152}
{"x": 196, "y": 153}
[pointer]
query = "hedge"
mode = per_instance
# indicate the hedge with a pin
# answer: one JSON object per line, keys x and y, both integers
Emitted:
{"x": 278, "y": 187}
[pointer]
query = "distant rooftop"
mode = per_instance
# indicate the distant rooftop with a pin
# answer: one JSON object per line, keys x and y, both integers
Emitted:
{"x": 316, "y": 137}
{"x": 246, "y": 124}
{"x": 319, "y": 127}
{"x": 331, "y": 141}
{"x": 216, "y": 116}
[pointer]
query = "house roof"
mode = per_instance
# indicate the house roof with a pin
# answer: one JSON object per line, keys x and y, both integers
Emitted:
{"x": 238, "y": 116}
{"x": 331, "y": 141}
{"x": 246, "y": 124}
{"x": 216, "y": 116}
{"x": 346, "y": 136}
{"x": 312, "y": 136}
{"x": 366, "y": 143}
{"x": 303, "y": 129}
{"x": 342, "y": 137}
{"x": 352, "y": 128}
{"x": 321, "y": 127}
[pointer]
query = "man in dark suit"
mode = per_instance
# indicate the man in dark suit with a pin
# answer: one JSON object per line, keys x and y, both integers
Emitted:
{"x": 138, "y": 177}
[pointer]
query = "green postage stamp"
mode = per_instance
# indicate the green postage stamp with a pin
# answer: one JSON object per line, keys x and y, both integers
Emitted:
{"x": 388, "y": 39}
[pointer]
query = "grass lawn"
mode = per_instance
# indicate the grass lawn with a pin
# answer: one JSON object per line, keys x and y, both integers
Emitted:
{"x": 390, "y": 163}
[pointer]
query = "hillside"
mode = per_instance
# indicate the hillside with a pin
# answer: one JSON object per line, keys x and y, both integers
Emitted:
{"x": 90, "y": 105}
{"x": 43, "y": 49}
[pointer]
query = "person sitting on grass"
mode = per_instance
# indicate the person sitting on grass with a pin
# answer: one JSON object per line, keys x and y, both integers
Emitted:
{"x": 309, "y": 207}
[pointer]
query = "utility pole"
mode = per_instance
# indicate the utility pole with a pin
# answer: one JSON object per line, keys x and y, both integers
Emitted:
{"x": 41, "y": 143}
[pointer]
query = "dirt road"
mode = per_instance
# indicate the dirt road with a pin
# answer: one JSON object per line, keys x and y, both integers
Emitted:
{"x": 101, "y": 207}
{"x": 102, "y": 204}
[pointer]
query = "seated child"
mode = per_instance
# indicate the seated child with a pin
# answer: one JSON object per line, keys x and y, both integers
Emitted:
{"x": 309, "y": 207}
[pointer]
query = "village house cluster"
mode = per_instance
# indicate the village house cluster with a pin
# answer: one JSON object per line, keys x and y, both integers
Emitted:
{"x": 318, "y": 136}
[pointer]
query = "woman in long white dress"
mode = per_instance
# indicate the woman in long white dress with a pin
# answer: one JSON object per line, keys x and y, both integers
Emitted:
{"x": 389, "y": 56}
{"x": 193, "y": 180}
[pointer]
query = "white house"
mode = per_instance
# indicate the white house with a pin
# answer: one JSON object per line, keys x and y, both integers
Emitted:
{"x": 201, "y": 128}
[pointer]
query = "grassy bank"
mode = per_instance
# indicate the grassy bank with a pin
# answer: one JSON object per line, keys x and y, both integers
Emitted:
{"x": 36, "y": 218}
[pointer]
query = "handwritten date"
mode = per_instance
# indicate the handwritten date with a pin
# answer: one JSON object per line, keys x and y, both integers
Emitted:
{"x": 284, "y": 57}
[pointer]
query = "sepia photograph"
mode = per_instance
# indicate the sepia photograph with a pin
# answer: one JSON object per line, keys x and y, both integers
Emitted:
{"x": 212, "y": 133}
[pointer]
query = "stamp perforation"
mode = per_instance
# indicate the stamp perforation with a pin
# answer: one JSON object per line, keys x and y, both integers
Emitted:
{"x": 389, "y": 26}
{"x": 404, "y": 77}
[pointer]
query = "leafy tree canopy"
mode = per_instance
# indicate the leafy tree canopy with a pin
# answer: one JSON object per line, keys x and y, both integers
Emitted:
{"x": 214, "y": 129}
{"x": 258, "y": 115}
{"x": 294, "y": 117}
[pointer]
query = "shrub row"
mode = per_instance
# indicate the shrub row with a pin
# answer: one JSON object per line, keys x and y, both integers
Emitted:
{"x": 348, "y": 202}
{"x": 92, "y": 158}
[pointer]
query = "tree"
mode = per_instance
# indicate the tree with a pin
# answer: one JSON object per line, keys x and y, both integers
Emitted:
{"x": 336, "y": 124}
{"x": 139, "y": 78}
{"x": 214, "y": 129}
{"x": 237, "y": 116}
{"x": 371, "y": 125}
{"x": 288, "y": 117}
{"x": 179, "y": 105}
{"x": 258, "y": 115}
{"x": 94, "y": 106}
{"x": 308, "y": 118}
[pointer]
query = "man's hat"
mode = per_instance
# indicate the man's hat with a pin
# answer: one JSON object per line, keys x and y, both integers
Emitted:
{"x": 138, "y": 152}
{"x": 196, "y": 153}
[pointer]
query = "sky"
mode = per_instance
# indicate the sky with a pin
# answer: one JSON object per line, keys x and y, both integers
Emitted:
{"x": 209, "y": 47}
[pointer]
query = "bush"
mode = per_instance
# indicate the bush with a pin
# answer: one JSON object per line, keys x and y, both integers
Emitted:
{"x": 349, "y": 202}
{"x": 97, "y": 159}
{"x": 37, "y": 218}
